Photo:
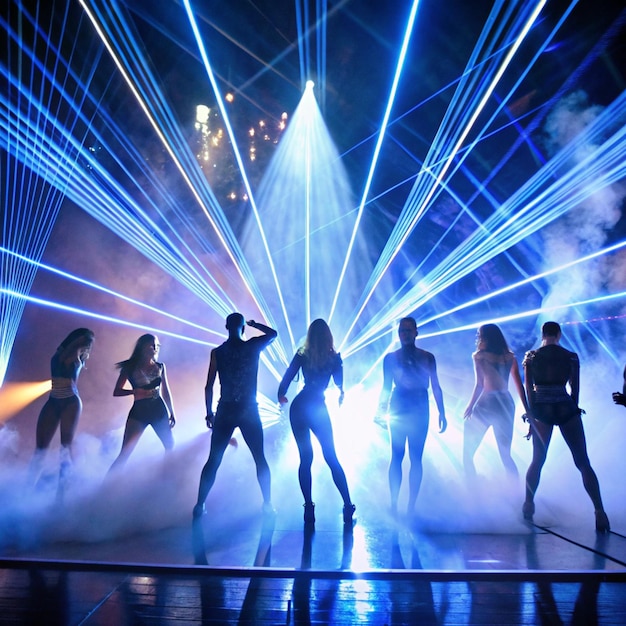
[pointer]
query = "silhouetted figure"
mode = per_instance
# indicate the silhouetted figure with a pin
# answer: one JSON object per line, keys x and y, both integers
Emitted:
{"x": 308, "y": 413}
{"x": 237, "y": 363}
{"x": 407, "y": 374}
{"x": 491, "y": 404}
{"x": 547, "y": 371}
{"x": 64, "y": 406}
{"x": 620, "y": 398}
{"x": 152, "y": 404}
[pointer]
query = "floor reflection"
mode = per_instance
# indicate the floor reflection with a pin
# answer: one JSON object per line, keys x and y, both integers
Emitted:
{"x": 586, "y": 606}
{"x": 411, "y": 599}
{"x": 49, "y": 593}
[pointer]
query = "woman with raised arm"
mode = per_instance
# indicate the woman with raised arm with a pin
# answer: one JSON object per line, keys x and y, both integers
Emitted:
{"x": 152, "y": 404}
{"x": 308, "y": 413}
{"x": 64, "y": 406}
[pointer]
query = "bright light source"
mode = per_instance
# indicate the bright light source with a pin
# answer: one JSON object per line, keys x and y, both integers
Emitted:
{"x": 202, "y": 114}
{"x": 310, "y": 84}
{"x": 16, "y": 396}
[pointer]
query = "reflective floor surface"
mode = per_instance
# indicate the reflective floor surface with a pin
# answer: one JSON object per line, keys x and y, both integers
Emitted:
{"x": 274, "y": 570}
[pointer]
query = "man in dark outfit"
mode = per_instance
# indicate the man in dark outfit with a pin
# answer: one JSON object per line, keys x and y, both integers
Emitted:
{"x": 237, "y": 363}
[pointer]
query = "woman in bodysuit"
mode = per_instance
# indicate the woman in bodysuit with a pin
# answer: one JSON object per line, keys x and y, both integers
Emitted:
{"x": 308, "y": 413}
{"x": 491, "y": 404}
{"x": 547, "y": 371}
{"x": 63, "y": 408}
{"x": 152, "y": 399}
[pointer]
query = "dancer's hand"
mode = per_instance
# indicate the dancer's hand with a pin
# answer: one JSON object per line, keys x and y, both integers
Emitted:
{"x": 172, "y": 421}
{"x": 341, "y": 397}
{"x": 443, "y": 423}
{"x": 210, "y": 420}
{"x": 619, "y": 398}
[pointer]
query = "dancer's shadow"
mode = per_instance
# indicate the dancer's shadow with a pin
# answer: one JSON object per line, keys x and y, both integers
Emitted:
{"x": 420, "y": 609}
{"x": 493, "y": 597}
{"x": 213, "y": 588}
{"x": 586, "y": 605}
{"x": 326, "y": 590}
{"x": 49, "y": 593}
{"x": 251, "y": 611}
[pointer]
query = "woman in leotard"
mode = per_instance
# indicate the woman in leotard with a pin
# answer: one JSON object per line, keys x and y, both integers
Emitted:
{"x": 152, "y": 404}
{"x": 308, "y": 413}
{"x": 547, "y": 371}
{"x": 64, "y": 406}
{"x": 491, "y": 404}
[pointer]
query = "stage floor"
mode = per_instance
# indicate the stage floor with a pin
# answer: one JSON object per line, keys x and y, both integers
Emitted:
{"x": 273, "y": 570}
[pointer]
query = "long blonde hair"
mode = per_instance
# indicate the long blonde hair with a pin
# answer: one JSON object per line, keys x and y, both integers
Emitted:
{"x": 319, "y": 344}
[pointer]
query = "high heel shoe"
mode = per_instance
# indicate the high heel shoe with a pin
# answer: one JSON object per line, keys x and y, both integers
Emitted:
{"x": 198, "y": 511}
{"x": 309, "y": 512}
{"x": 528, "y": 510}
{"x": 602, "y": 522}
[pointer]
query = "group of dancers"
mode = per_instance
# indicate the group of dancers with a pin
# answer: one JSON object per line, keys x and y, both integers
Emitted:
{"x": 549, "y": 394}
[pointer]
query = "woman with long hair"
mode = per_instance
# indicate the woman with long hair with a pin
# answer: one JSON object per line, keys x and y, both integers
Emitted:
{"x": 308, "y": 414}
{"x": 64, "y": 406}
{"x": 491, "y": 404}
{"x": 152, "y": 404}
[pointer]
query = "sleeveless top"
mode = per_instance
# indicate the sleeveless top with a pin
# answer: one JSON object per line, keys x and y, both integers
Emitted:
{"x": 146, "y": 378}
{"x": 237, "y": 366}
{"x": 64, "y": 377}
